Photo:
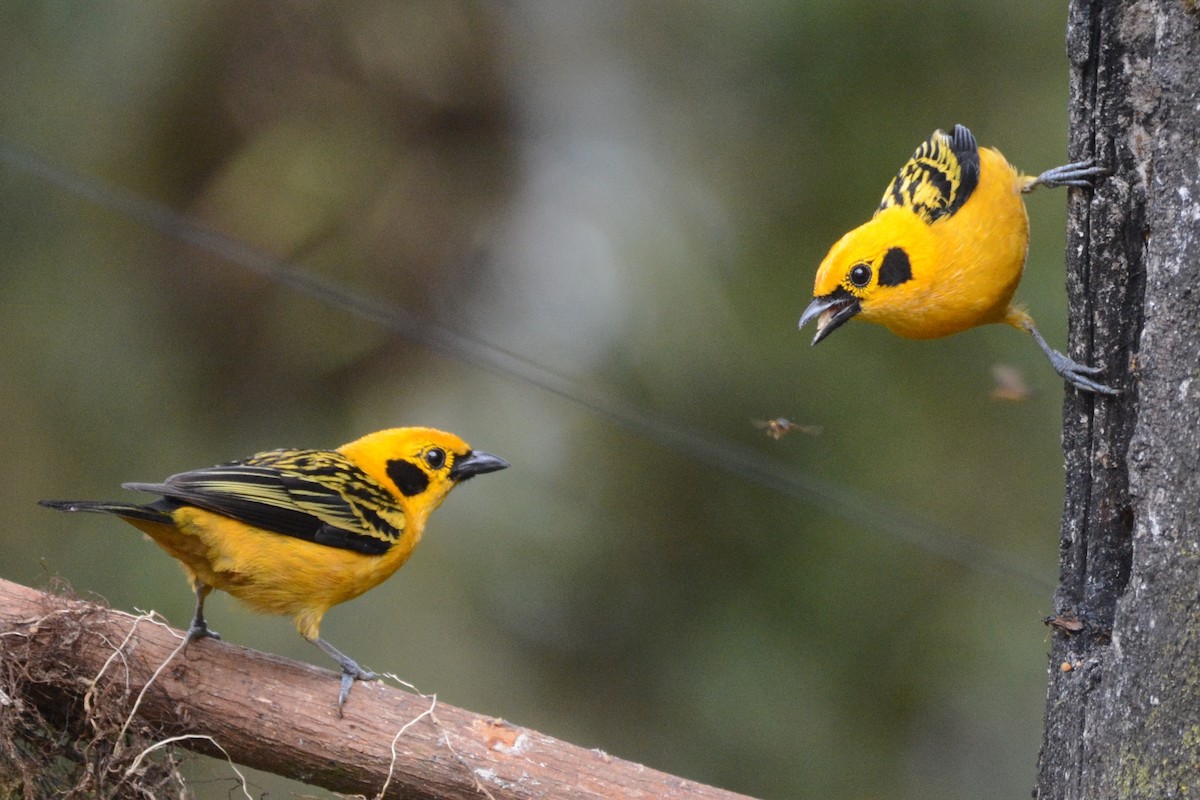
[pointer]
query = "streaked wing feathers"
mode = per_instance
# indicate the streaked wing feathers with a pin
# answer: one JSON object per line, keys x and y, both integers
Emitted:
{"x": 940, "y": 176}
{"x": 317, "y": 495}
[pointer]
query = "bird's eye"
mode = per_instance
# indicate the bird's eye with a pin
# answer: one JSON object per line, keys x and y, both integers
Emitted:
{"x": 860, "y": 275}
{"x": 435, "y": 457}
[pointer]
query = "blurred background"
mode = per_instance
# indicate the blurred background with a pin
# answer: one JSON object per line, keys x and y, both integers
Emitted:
{"x": 633, "y": 198}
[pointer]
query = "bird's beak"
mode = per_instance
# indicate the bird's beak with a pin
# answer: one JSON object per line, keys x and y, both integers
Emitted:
{"x": 830, "y": 312}
{"x": 475, "y": 462}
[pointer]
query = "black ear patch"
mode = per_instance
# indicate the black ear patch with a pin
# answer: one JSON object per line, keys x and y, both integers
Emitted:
{"x": 409, "y": 478}
{"x": 895, "y": 269}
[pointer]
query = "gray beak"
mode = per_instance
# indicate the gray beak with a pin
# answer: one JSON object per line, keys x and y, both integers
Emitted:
{"x": 476, "y": 462}
{"x": 831, "y": 312}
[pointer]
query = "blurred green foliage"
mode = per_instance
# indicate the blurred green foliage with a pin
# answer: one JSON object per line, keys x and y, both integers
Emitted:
{"x": 636, "y": 196}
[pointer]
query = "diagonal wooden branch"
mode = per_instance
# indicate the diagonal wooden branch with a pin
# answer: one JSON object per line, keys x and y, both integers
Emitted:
{"x": 279, "y": 715}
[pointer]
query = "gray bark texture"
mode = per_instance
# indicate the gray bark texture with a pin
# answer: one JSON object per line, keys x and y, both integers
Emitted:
{"x": 1123, "y": 705}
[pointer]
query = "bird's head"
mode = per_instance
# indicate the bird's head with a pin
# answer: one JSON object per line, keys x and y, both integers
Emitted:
{"x": 419, "y": 466}
{"x": 867, "y": 272}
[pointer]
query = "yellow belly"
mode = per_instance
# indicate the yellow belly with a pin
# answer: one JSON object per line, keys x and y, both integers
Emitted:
{"x": 270, "y": 572}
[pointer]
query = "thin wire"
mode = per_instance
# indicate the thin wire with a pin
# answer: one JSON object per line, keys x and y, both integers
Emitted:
{"x": 718, "y": 452}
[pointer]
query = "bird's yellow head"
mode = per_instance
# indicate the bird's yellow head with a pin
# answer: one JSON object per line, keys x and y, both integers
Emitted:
{"x": 419, "y": 466}
{"x": 869, "y": 272}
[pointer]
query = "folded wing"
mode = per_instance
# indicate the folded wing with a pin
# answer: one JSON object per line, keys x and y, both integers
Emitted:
{"x": 316, "y": 495}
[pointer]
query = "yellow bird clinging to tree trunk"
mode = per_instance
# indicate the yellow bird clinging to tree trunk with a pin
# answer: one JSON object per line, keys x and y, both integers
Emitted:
{"x": 945, "y": 250}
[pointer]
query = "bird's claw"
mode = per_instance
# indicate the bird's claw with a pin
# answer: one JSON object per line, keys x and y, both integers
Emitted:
{"x": 1077, "y": 374}
{"x": 1068, "y": 369}
{"x": 201, "y": 631}
{"x": 351, "y": 672}
{"x": 1081, "y": 174}
{"x": 1084, "y": 369}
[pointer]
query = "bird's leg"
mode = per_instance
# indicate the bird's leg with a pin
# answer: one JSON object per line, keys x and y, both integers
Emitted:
{"x": 1077, "y": 173}
{"x": 351, "y": 671}
{"x": 199, "y": 628}
{"x": 1072, "y": 372}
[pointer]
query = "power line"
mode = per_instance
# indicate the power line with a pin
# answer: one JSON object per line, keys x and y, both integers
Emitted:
{"x": 719, "y": 453}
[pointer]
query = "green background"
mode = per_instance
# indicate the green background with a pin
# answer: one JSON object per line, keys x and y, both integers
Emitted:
{"x": 632, "y": 197}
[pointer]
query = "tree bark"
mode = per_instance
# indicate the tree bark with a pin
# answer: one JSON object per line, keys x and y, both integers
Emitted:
{"x": 1123, "y": 705}
{"x": 69, "y": 657}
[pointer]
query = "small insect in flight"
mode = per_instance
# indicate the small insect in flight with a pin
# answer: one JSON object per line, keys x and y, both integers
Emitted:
{"x": 779, "y": 427}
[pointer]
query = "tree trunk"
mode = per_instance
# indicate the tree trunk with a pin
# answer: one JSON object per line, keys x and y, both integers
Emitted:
{"x": 1123, "y": 706}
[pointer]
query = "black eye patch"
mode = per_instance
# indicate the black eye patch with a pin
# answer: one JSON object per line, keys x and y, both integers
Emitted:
{"x": 408, "y": 477}
{"x": 896, "y": 268}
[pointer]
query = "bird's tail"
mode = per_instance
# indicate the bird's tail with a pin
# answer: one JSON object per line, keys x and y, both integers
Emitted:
{"x": 125, "y": 510}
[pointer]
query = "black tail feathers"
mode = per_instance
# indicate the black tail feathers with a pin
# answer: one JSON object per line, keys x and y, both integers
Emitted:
{"x": 126, "y": 510}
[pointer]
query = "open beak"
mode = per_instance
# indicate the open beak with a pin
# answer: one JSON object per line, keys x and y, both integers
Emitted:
{"x": 830, "y": 312}
{"x": 475, "y": 462}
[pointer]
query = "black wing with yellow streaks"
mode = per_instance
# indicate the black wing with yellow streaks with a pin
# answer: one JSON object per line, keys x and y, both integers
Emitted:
{"x": 316, "y": 495}
{"x": 939, "y": 177}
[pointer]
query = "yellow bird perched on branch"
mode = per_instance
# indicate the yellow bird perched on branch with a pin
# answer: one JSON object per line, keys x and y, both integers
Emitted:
{"x": 945, "y": 250}
{"x": 296, "y": 532}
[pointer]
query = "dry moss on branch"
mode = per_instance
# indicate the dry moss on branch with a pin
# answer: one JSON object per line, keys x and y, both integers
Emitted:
{"x": 63, "y": 736}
